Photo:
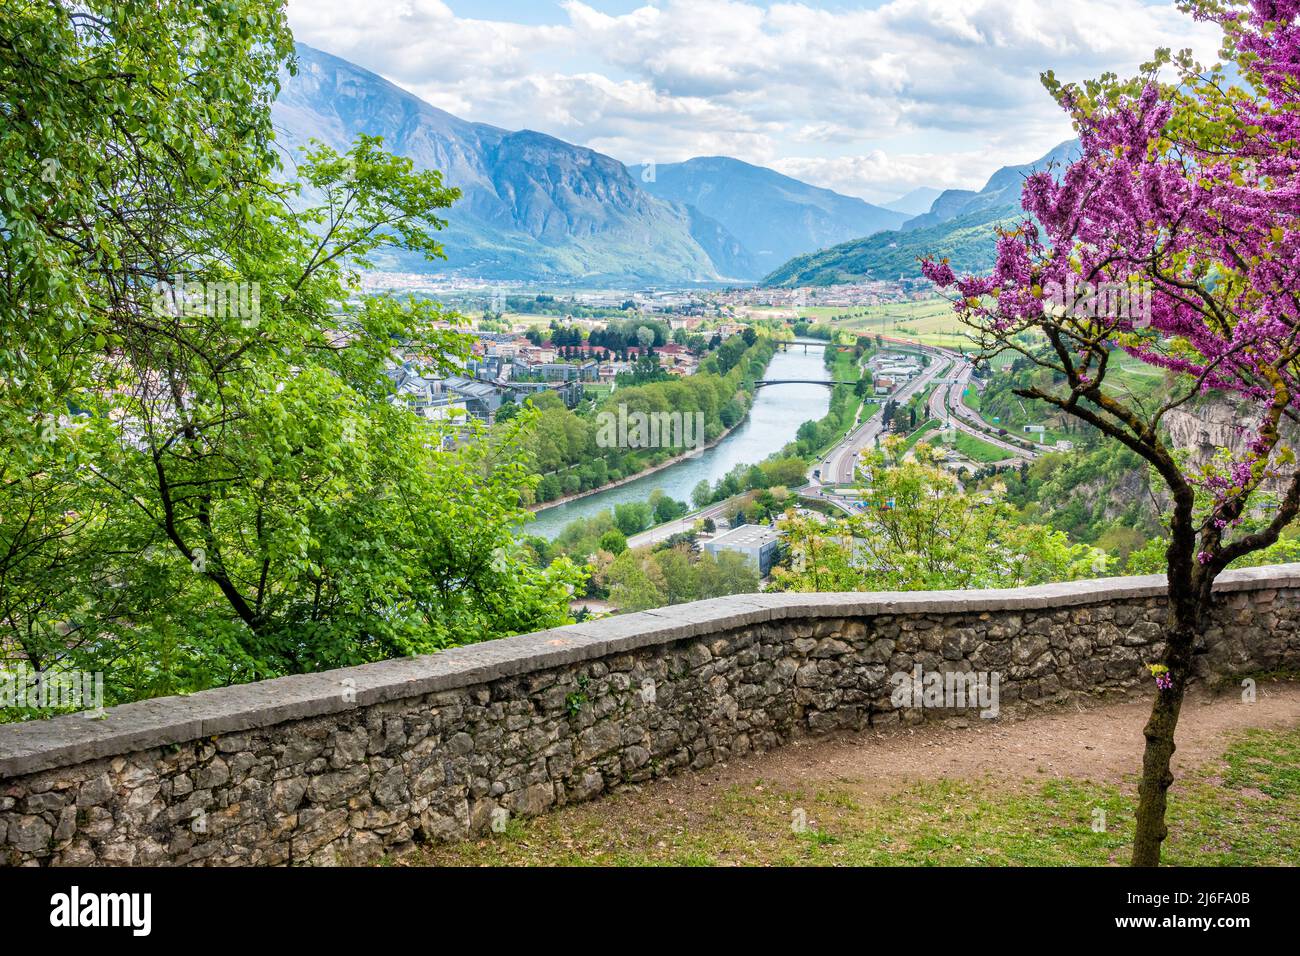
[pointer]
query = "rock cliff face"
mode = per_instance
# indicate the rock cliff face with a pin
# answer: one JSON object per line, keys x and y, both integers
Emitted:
{"x": 1212, "y": 425}
{"x": 1221, "y": 423}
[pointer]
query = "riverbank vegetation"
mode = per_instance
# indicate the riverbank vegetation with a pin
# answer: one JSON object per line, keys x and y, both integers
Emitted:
{"x": 789, "y": 467}
{"x": 568, "y": 449}
{"x": 756, "y": 493}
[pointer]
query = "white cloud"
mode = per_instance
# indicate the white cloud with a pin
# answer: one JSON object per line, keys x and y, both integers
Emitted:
{"x": 879, "y": 176}
{"x": 873, "y": 102}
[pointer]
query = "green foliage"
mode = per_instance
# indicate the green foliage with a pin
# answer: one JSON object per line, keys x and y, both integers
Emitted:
{"x": 632, "y": 517}
{"x": 642, "y": 579}
{"x": 920, "y": 532}
{"x": 613, "y": 541}
{"x": 567, "y": 445}
{"x": 644, "y": 370}
{"x": 1092, "y": 495}
{"x": 701, "y": 494}
{"x": 576, "y": 700}
{"x": 775, "y": 471}
{"x": 583, "y": 536}
{"x": 668, "y": 509}
{"x": 814, "y": 437}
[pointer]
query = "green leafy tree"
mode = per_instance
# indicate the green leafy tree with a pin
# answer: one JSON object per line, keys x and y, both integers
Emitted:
{"x": 727, "y": 573}
{"x": 1187, "y": 191}
{"x": 191, "y": 373}
{"x": 613, "y": 541}
{"x": 702, "y": 493}
{"x": 668, "y": 509}
{"x": 635, "y": 582}
{"x": 632, "y": 517}
{"x": 920, "y": 532}
{"x": 681, "y": 583}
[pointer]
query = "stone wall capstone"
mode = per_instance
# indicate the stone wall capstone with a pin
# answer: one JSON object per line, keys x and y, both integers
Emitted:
{"x": 346, "y": 766}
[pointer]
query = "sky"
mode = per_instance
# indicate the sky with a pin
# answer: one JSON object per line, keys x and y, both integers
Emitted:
{"x": 871, "y": 98}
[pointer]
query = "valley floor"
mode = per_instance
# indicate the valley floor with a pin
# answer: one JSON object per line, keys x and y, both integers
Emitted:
{"x": 1052, "y": 788}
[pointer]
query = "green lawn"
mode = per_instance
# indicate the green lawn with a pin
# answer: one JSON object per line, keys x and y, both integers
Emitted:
{"x": 973, "y": 448}
{"x": 920, "y": 433}
{"x": 1242, "y": 810}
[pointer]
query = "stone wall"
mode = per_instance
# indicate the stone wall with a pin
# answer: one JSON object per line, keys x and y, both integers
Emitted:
{"x": 348, "y": 765}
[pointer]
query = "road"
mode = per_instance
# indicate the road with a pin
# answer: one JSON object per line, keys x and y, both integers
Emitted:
{"x": 839, "y": 465}
{"x": 685, "y": 523}
{"x": 946, "y": 406}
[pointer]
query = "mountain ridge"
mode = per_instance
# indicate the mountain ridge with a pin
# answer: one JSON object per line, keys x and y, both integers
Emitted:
{"x": 958, "y": 226}
{"x": 774, "y": 215}
{"x": 915, "y": 202}
{"x": 537, "y": 208}
{"x": 532, "y": 206}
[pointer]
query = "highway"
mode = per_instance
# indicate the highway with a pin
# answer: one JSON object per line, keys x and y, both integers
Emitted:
{"x": 839, "y": 465}
{"x": 946, "y": 406}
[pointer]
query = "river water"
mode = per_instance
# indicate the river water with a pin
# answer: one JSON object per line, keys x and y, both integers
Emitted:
{"x": 773, "y": 421}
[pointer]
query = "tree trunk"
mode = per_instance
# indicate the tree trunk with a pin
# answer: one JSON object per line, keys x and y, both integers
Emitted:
{"x": 1151, "y": 830}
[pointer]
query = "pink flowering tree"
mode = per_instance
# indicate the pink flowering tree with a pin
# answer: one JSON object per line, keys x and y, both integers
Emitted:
{"x": 1174, "y": 239}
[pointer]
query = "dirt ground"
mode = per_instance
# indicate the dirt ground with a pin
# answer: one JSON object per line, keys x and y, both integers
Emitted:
{"x": 897, "y": 796}
{"x": 1098, "y": 742}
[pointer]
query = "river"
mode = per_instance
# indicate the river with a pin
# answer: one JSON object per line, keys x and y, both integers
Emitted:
{"x": 773, "y": 420}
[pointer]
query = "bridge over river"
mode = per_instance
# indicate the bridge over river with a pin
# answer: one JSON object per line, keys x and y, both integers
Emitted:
{"x": 799, "y": 381}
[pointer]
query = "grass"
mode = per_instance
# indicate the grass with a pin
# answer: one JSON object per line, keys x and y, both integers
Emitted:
{"x": 975, "y": 449}
{"x": 1132, "y": 374}
{"x": 920, "y": 433}
{"x": 1240, "y": 811}
{"x": 929, "y": 321}
{"x": 846, "y": 369}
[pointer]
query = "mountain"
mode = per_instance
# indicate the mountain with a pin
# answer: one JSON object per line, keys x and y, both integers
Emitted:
{"x": 959, "y": 226}
{"x": 1001, "y": 190}
{"x": 947, "y": 205}
{"x": 968, "y": 242}
{"x": 1007, "y": 181}
{"x": 533, "y": 207}
{"x": 915, "y": 202}
{"x": 729, "y": 256}
{"x": 774, "y": 216}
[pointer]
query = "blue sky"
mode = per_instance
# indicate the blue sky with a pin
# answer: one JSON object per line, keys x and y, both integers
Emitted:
{"x": 871, "y": 98}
